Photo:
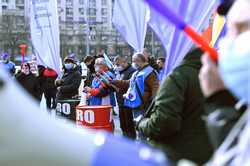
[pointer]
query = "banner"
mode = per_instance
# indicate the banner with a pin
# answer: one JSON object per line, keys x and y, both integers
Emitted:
{"x": 176, "y": 43}
{"x": 130, "y": 18}
{"x": 44, "y": 25}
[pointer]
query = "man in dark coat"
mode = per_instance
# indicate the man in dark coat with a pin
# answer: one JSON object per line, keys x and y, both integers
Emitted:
{"x": 29, "y": 82}
{"x": 125, "y": 114}
{"x": 145, "y": 76}
{"x": 150, "y": 59}
{"x": 161, "y": 66}
{"x": 90, "y": 63}
{"x": 174, "y": 123}
{"x": 67, "y": 87}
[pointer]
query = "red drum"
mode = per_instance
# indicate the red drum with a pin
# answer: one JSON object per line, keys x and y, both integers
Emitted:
{"x": 95, "y": 117}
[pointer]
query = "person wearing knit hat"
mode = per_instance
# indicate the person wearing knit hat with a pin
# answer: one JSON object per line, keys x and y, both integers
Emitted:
{"x": 67, "y": 86}
{"x": 29, "y": 82}
{"x": 69, "y": 59}
{"x": 9, "y": 66}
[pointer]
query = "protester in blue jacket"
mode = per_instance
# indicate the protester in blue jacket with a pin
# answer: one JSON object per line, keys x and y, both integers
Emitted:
{"x": 100, "y": 91}
{"x": 8, "y": 65}
{"x": 161, "y": 64}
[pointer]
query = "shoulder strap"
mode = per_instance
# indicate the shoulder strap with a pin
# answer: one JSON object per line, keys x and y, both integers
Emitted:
{"x": 148, "y": 110}
{"x": 139, "y": 91}
{"x": 137, "y": 87}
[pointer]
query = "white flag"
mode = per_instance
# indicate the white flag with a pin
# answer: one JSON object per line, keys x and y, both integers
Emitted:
{"x": 108, "y": 61}
{"x": 44, "y": 25}
{"x": 176, "y": 43}
{"x": 130, "y": 18}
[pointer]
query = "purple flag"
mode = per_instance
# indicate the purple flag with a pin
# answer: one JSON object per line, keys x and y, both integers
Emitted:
{"x": 130, "y": 17}
{"x": 195, "y": 12}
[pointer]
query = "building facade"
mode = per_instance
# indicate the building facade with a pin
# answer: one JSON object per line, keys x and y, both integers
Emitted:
{"x": 86, "y": 23}
{"x": 14, "y": 25}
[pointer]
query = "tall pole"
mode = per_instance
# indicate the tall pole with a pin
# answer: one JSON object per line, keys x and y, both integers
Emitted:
{"x": 88, "y": 29}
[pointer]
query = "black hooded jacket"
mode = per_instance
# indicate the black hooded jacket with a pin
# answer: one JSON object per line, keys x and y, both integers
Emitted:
{"x": 69, "y": 84}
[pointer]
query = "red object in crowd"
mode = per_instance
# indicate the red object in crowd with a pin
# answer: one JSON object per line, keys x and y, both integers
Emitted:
{"x": 94, "y": 91}
{"x": 201, "y": 42}
{"x": 207, "y": 34}
{"x": 49, "y": 73}
{"x": 95, "y": 117}
{"x": 23, "y": 51}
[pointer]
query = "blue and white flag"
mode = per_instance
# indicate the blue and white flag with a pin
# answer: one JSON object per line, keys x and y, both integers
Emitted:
{"x": 108, "y": 61}
{"x": 44, "y": 25}
{"x": 130, "y": 18}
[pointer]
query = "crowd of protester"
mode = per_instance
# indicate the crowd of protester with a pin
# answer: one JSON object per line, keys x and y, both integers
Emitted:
{"x": 167, "y": 116}
{"x": 187, "y": 114}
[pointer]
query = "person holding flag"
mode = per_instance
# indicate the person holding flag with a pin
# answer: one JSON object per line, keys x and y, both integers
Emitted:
{"x": 124, "y": 72}
{"x": 100, "y": 92}
{"x": 226, "y": 83}
{"x": 141, "y": 88}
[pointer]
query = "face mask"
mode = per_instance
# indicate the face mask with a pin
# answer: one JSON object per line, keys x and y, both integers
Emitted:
{"x": 135, "y": 66}
{"x": 68, "y": 66}
{"x": 97, "y": 69}
{"x": 234, "y": 65}
{"x": 119, "y": 68}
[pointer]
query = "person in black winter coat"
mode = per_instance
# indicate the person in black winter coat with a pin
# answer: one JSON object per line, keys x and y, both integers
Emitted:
{"x": 41, "y": 79}
{"x": 90, "y": 63}
{"x": 29, "y": 82}
{"x": 50, "y": 90}
{"x": 150, "y": 59}
{"x": 67, "y": 86}
{"x": 125, "y": 71}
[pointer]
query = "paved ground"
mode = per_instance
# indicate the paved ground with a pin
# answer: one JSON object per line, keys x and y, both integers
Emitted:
{"x": 117, "y": 126}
